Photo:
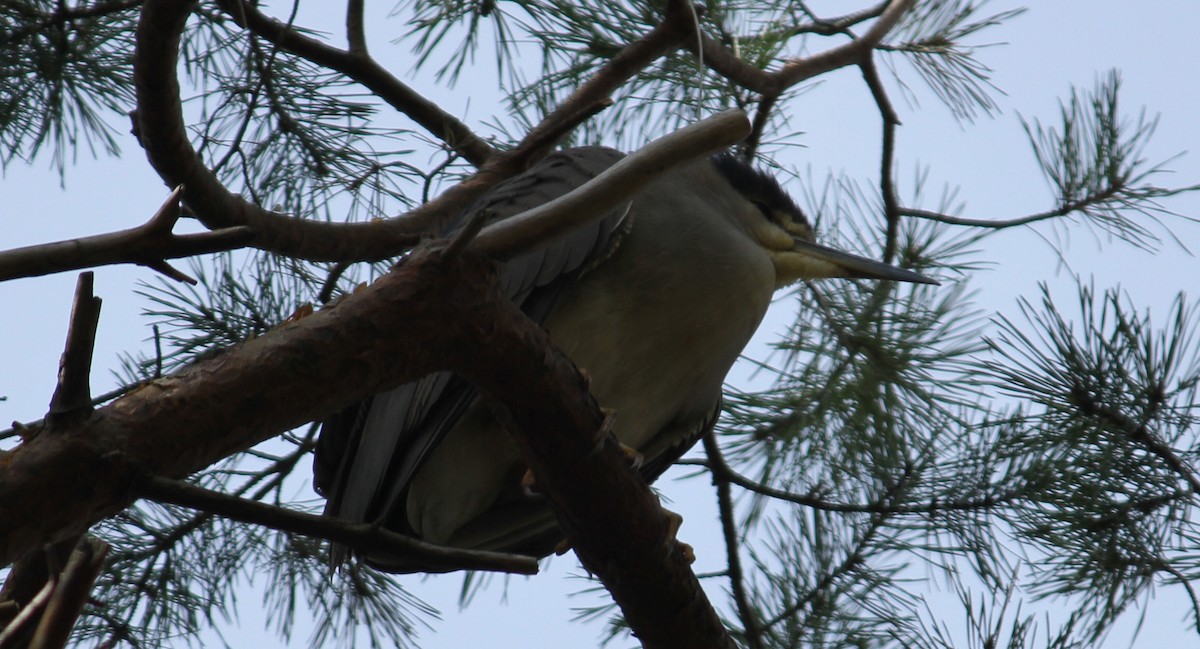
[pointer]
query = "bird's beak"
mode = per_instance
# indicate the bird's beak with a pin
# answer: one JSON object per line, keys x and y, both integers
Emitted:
{"x": 827, "y": 262}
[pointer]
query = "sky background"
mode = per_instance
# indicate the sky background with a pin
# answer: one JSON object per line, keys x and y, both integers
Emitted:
{"x": 1048, "y": 49}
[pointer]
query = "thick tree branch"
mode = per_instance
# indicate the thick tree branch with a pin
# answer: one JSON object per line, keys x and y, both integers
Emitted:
{"x": 57, "y": 485}
{"x": 149, "y": 244}
{"x": 610, "y": 516}
{"x": 424, "y": 316}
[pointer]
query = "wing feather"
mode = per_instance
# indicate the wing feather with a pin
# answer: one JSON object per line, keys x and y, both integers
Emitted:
{"x": 377, "y": 446}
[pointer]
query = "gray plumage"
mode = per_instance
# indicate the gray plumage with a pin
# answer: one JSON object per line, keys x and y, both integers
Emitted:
{"x": 655, "y": 300}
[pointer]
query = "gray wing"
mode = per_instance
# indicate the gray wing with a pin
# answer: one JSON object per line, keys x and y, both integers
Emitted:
{"x": 367, "y": 454}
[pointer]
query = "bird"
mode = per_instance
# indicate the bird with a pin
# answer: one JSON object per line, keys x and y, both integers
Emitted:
{"x": 655, "y": 300}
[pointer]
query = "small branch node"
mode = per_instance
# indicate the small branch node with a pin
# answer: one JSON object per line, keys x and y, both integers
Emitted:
{"x": 72, "y": 397}
{"x": 163, "y": 221}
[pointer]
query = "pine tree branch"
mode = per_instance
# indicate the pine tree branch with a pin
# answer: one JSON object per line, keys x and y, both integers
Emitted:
{"x": 1097, "y": 198}
{"x": 70, "y": 594}
{"x": 72, "y": 398}
{"x": 357, "y": 65}
{"x": 149, "y": 245}
{"x": 612, "y": 187}
{"x": 359, "y": 536}
{"x": 164, "y": 137}
{"x": 737, "y": 585}
{"x": 434, "y": 316}
{"x": 726, "y": 473}
{"x": 63, "y": 14}
{"x": 161, "y": 127}
{"x": 724, "y": 62}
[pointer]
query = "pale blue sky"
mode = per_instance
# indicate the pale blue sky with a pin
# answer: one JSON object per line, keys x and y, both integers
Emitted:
{"x": 1054, "y": 45}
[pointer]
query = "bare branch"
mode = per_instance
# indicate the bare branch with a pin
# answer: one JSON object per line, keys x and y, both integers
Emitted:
{"x": 612, "y": 187}
{"x": 356, "y": 36}
{"x": 737, "y": 585}
{"x": 165, "y": 139}
{"x": 70, "y": 594}
{"x": 724, "y": 62}
{"x": 149, "y": 245}
{"x": 849, "y": 54}
{"x": 73, "y": 395}
{"x": 359, "y": 536}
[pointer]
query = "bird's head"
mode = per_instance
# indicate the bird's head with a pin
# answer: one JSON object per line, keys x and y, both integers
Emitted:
{"x": 777, "y": 224}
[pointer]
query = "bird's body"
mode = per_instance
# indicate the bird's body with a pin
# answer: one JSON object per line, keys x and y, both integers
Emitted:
{"x": 656, "y": 336}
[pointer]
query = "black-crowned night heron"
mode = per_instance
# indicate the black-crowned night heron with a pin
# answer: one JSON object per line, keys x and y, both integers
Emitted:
{"x": 655, "y": 300}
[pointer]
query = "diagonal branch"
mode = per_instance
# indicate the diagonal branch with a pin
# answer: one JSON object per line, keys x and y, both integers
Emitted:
{"x": 849, "y": 54}
{"x": 356, "y": 64}
{"x": 360, "y": 536}
{"x": 612, "y": 187}
{"x": 164, "y": 136}
{"x": 433, "y": 315}
{"x": 162, "y": 130}
{"x": 724, "y": 62}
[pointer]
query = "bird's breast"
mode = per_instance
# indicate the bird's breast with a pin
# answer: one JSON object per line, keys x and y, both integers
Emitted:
{"x": 658, "y": 334}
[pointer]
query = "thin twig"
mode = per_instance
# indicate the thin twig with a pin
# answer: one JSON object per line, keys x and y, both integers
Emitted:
{"x": 726, "y": 473}
{"x": 360, "y": 536}
{"x": 737, "y": 583}
{"x": 360, "y": 67}
{"x": 27, "y": 616}
{"x": 887, "y": 162}
{"x": 1000, "y": 224}
{"x": 70, "y": 594}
